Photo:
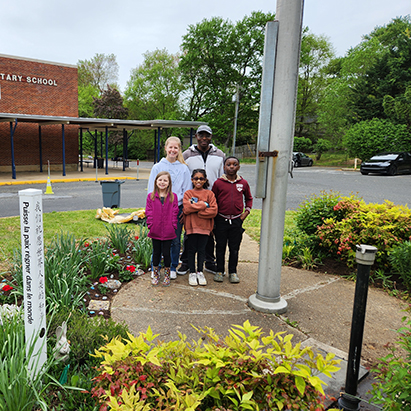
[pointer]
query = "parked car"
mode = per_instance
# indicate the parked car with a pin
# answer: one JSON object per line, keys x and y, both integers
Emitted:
{"x": 391, "y": 163}
{"x": 301, "y": 159}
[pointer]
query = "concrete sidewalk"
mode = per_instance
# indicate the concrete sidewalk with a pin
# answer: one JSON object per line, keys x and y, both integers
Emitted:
{"x": 319, "y": 312}
{"x": 88, "y": 174}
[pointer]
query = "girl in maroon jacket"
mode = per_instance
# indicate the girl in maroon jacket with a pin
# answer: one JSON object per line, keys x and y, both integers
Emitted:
{"x": 161, "y": 212}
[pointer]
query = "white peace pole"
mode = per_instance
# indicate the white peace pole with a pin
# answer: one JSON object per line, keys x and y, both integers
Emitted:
{"x": 32, "y": 251}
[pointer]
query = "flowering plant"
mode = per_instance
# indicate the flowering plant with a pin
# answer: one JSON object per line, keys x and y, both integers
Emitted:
{"x": 103, "y": 280}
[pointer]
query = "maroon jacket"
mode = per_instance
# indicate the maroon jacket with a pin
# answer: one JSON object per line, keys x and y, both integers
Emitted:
{"x": 162, "y": 218}
{"x": 231, "y": 196}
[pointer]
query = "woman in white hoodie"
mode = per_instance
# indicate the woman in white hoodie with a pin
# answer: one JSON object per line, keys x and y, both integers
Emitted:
{"x": 180, "y": 174}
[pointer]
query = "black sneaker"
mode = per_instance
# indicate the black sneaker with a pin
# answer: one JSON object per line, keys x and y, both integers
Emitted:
{"x": 211, "y": 268}
{"x": 183, "y": 269}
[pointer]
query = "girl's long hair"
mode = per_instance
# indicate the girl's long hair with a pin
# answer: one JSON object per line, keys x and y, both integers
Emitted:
{"x": 180, "y": 157}
{"x": 203, "y": 172}
{"x": 169, "y": 189}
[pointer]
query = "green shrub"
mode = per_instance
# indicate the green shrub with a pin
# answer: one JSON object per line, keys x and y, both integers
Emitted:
{"x": 370, "y": 137}
{"x": 312, "y": 212}
{"x": 303, "y": 144}
{"x": 393, "y": 374}
{"x": 245, "y": 370}
{"x": 400, "y": 260}
{"x": 380, "y": 225}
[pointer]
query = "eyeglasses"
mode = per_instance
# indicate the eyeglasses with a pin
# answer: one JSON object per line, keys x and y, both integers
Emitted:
{"x": 198, "y": 179}
{"x": 206, "y": 137}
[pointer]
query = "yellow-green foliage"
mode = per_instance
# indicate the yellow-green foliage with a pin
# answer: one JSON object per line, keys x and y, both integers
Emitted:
{"x": 246, "y": 370}
{"x": 380, "y": 225}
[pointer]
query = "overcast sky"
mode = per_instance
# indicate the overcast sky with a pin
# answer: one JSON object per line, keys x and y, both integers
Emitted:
{"x": 68, "y": 31}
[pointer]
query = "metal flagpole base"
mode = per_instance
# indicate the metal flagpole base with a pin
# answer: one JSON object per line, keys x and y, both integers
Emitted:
{"x": 263, "y": 305}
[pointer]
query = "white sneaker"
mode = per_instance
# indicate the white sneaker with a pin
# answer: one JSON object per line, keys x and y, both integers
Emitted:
{"x": 192, "y": 279}
{"x": 201, "y": 279}
{"x": 173, "y": 275}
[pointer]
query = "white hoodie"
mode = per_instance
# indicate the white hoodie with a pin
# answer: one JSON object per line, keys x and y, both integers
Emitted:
{"x": 214, "y": 164}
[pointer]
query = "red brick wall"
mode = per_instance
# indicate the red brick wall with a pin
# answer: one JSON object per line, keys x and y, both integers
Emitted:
{"x": 23, "y": 92}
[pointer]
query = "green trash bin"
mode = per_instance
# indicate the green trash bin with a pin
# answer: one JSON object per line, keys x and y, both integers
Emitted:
{"x": 111, "y": 193}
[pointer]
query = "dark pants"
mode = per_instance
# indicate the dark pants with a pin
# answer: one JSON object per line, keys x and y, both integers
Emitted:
{"x": 161, "y": 248}
{"x": 196, "y": 244}
{"x": 228, "y": 232}
{"x": 176, "y": 243}
{"x": 209, "y": 251}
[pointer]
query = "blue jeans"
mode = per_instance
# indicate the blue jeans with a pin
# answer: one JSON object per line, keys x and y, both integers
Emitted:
{"x": 176, "y": 243}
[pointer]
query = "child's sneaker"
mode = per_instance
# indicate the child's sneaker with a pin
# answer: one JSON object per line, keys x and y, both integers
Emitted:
{"x": 192, "y": 279}
{"x": 173, "y": 274}
{"x": 219, "y": 277}
{"x": 234, "y": 278}
{"x": 201, "y": 279}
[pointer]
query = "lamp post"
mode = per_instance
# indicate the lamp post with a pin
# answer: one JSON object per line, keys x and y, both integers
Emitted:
{"x": 365, "y": 256}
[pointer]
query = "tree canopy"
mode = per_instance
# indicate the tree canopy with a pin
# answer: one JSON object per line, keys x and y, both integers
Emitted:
{"x": 155, "y": 87}
{"x": 99, "y": 72}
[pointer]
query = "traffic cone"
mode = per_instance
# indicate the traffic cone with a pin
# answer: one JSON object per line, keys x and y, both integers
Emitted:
{"x": 48, "y": 189}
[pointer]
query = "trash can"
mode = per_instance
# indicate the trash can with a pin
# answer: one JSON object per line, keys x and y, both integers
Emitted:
{"x": 99, "y": 162}
{"x": 111, "y": 193}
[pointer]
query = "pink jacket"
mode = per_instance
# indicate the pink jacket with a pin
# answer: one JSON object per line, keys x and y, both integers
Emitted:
{"x": 162, "y": 218}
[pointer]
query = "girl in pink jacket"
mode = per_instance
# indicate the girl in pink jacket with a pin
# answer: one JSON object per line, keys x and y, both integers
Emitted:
{"x": 161, "y": 212}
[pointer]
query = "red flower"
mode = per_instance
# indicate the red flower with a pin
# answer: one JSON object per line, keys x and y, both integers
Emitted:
{"x": 86, "y": 244}
{"x": 131, "y": 268}
{"x": 103, "y": 280}
{"x": 7, "y": 287}
{"x": 136, "y": 237}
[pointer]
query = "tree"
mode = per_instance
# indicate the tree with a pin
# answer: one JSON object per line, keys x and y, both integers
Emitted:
{"x": 99, "y": 72}
{"x": 399, "y": 107}
{"x": 380, "y": 65}
{"x": 316, "y": 54}
{"x": 110, "y": 105}
{"x": 154, "y": 89}
{"x": 217, "y": 57}
{"x": 86, "y": 95}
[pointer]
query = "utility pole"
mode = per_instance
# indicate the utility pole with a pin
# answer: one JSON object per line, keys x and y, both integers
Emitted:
{"x": 274, "y": 165}
{"x": 237, "y": 102}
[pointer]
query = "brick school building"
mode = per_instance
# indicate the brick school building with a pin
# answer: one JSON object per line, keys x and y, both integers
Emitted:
{"x": 35, "y": 87}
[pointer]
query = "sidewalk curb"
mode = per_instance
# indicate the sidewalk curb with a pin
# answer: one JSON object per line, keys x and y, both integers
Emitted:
{"x": 67, "y": 180}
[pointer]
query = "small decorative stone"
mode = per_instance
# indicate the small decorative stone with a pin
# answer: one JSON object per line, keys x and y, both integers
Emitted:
{"x": 98, "y": 305}
{"x": 92, "y": 312}
{"x": 114, "y": 291}
{"x": 112, "y": 284}
{"x": 101, "y": 313}
{"x": 104, "y": 298}
{"x": 112, "y": 276}
{"x": 139, "y": 272}
{"x": 92, "y": 287}
{"x": 97, "y": 295}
